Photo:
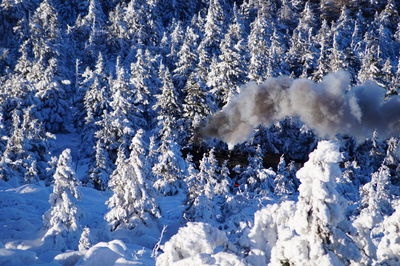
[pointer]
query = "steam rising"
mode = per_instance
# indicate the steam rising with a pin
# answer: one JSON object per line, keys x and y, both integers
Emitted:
{"x": 329, "y": 107}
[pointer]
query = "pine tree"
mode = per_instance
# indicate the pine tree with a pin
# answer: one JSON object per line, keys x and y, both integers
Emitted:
{"x": 259, "y": 41}
{"x": 196, "y": 104}
{"x": 84, "y": 240}
{"x": 318, "y": 212}
{"x": 130, "y": 207}
{"x": 62, "y": 220}
{"x": 141, "y": 81}
{"x": 284, "y": 186}
{"x": 371, "y": 63}
{"x": 230, "y": 68}
{"x": 207, "y": 194}
{"x": 101, "y": 168}
{"x": 302, "y": 49}
{"x": 26, "y": 155}
{"x": 96, "y": 101}
{"x": 187, "y": 58}
{"x": 323, "y": 37}
{"x": 170, "y": 167}
{"x": 214, "y": 28}
{"x": 167, "y": 105}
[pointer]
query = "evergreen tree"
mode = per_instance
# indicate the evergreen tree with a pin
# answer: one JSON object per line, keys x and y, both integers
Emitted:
{"x": 388, "y": 247}
{"x": 302, "y": 49}
{"x": 170, "y": 167}
{"x": 230, "y": 69}
{"x": 130, "y": 206}
{"x": 324, "y": 39}
{"x": 371, "y": 63}
{"x": 26, "y": 155}
{"x": 167, "y": 105}
{"x": 84, "y": 240}
{"x": 187, "y": 58}
{"x": 101, "y": 168}
{"x": 96, "y": 101}
{"x": 214, "y": 28}
{"x": 259, "y": 41}
{"x": 318, "y": 213}
{"x": 284, "y": 186}
{"x": 207, "y": 195}
{"x": 62, "y": 220}
{"x": 196, "y": 104}
{"x": 141, "y": 81}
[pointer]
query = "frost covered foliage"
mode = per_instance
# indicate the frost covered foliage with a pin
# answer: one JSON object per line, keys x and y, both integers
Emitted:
{"x": 198, "y": 244}
{"x": 62, "y": 220}
{"x": 389, "y": 246}
{"x": 307, "y": 231}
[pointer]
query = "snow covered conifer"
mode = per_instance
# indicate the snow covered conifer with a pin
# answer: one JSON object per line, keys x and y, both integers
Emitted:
{"x": 389, "y": 246}
{"x": 283, "y": 184}
{"x": 130, "y": 205}
{"x": 84, "y": 240}
{"x": 62, "y": 220}
{"x": 187, "y": 58}
{"x": 170, "y": 166}
{"x": 196, "y": 104}
{"x": 100, "y": 169}
{"x": 214, "y": 27}
{"x": 311, "y": 224}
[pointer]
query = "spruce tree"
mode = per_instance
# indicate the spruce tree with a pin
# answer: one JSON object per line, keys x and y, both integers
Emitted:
{"x": 62, "y": 220}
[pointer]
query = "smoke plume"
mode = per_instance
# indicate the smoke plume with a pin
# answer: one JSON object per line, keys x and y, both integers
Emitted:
{"x": 329, "y": 108}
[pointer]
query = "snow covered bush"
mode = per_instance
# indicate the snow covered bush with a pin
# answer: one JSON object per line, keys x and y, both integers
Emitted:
{"x": 198, "y": 244}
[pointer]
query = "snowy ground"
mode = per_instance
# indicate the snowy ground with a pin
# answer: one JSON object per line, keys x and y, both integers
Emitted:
{"x": 21, "y": 210}
{"x": 21, "y": 230}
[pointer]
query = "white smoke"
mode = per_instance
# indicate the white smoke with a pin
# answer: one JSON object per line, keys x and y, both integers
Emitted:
{"x": 329, "y": 108}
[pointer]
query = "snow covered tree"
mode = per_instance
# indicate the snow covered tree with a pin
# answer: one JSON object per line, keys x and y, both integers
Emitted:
{"x": 371, "y": 63}
{"x": 206, "y": 192}
{"x": 283, "y": 184}
{"x": 143, "y": 86}
{"x": 196, "y": 104}
{"x": 374, "y": 204}
{"x": 170, "y": 167}
{"x": 84, "y": 240}
{"x": 214, "y": 28}
{"x": 101, "y": 168}
{"x": 27, "y": 152}
{"x": 230, "y": 69}
{"x": 389, "y": 247}
{"x": 187, "y": 58}
{"x": 259, "y": 41}
{"x": 324, "y": 39}
{"x": 53, "y": 105}
{"x": 96, "y": 101}
{"x": 302, "y": 49}
{"x": 130, "y": 207}
{"x": 312, "y": 224}
{"x": 62, "y": 220}
{"x": 167, "y": 105}
{"x": 194, "y": 242}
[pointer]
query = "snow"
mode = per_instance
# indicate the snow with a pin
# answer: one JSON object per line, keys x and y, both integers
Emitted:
{"x": 198, "y": 244}
{"x": 105, "y": 107}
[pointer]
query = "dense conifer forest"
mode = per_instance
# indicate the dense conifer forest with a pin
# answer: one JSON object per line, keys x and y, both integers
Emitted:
{"x": 114, "y": 150}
